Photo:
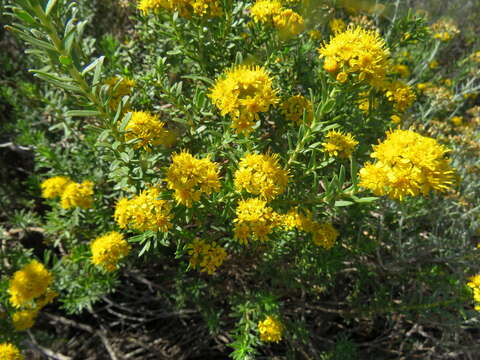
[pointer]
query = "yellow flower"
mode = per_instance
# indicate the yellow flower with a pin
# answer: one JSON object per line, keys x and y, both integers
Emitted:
{"x": 357, "y": 51}
{"x": 271, "y": 329}
{"x": 324, "y": 235}
{"x": 444, "y": 29}
{"x": 294, "y": 107}
{"x": 289, "y": 23}
{"x": 186, "y": 8}
{"x": 396, "y": 119}
{"x": 342, "y": 77}
{"x": 337, "y": 25}
{"x": 23, "y": 320}
{"x": 243, "y": 93}
{"x": 206, "y": 256}
{"x": 263, "y": 11}
{"x": 10, "y": 352}
{"x": 401, "y": 95}
{"x": 146, "y": 128}
{"x": 54, "y": 186}
{"x": 108, "y": 250}
{"x": 77, "y": 195}
{"x": 190, "y": 177}
{"x": 407, "y": 164}
{"x": 118, "y": 88}
{"x": 457, "y": 120}
{"x": 261, "y": 175}
{"x": 144, "y": 212}
{"x": 29, "y": 283}
{"x": 339, "y": 144}
{"x": 254, "y": 220}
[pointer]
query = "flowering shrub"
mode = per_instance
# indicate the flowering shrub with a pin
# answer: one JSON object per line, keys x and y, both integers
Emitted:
{"x": 267, "y": 176}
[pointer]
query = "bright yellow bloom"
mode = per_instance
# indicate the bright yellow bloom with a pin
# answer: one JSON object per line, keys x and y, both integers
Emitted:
{"x": 254, "y": 220}
{"x": 206, "y": 256}
{"x": 294, "y": 107}
{"x": 263, "y": 11}
{"x": 146, "y": 128}
{"x": 144, "y": 212}
{"x": 401, "y": 95}
{"x": 108, "y": 250}
{"x": 457, "y": 120}
{"x": 261, "y": 175}
{"x": 186, "y": 8}
{"x": 10, "y": 352}
{"x": 271, "y": 329}
{"x": 339, "y": 144}
{"x": 23, "y": 320}
{"x": 243, "y": 93}
{"x": 77, "y": 195}
{"x": 357, "y": 51}
{"x": 54, "y": 186}
{"x": 289, "y": 23}
{"x": 191, "y": 177}
{"x": 407, "y": 164}
{"x": 29, "y": 283}
{"x": 474, "y": 283}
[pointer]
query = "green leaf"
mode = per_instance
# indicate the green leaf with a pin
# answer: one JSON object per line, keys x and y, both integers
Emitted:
{"x": 366, "y": 199}
{"x": 50, "y": 5}
{"x": 340, "y": 203}
{"x": 82, "y": 113}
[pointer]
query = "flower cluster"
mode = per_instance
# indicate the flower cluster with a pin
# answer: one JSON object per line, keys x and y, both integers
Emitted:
{"x": 260, "y": 174}
{"x": 54, "y": 186}
{"x": 400, "y": 94}
{"x": 444, "y": 29}
{"x": 295, "y": 106}
{"x": 186, "y": 8}
{"x": 323, "y": 234}
{"x": 9, "y": 351}
{"x": 206, "y": 256}
{"x": 254, "y": 220}
{"x": 407, "y": 164}
{"x": 474, "y": 284}
{"x": 286, "y": 21}
{"x": 147, "y": 129}
{"x": 29, "y": 289}
{"x": 271, "y": 329}
{"x": 77, "y": 195}
{"x": 358, "y": 52}
{"x": 339, "y": 144}
{"x": 337, "y": 25}
{"x": 108, "y": 250}
{"x": 144, "y": 212}
{"x": 243, "y": 93}
{"x": 191, "y": 177}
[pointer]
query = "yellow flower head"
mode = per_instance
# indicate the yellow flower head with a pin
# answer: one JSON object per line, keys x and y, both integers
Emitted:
{"x": 206, "y": 256}
{"x": 190, "y": 177}
{"x": 357, "y": 51}
{"x": 289, "y": 23}
{"x": 271, "y": 329}
{"x": 108, "y": 250}
{"x": 243, "y": 93}
{"x": 186, "y": 8}
{"x": 261, "y": 175}
{"x": 324, "y": 235}
{"x": 146, "y": 128}
{"x": 457, "y": 120}
{"x": 10, "y": 352}
{"x": 29, "y": 283}
{"x": 144, "y": 212}
{"x": 339, "y": 144}
{"x": 119, "y": 87}
{"x": 407, "y": 164}
{"x": 263, "y": 11}
{"x": 77, "y": 195}
{"x": 401, "y": 95}
{"x": 254, "y": 220}
{"x": 294, "y": 107}
{"x": 337, "y": 25}
{"x": 23, "y": 320}
{"x": 54, "y": 186}
{"x": 445, "y": 29}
